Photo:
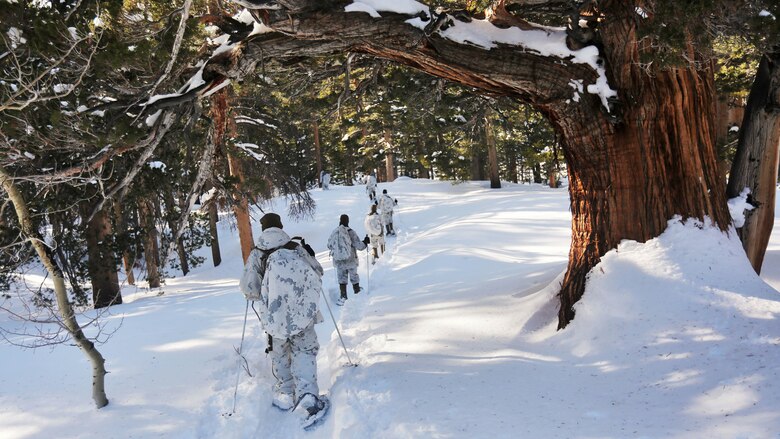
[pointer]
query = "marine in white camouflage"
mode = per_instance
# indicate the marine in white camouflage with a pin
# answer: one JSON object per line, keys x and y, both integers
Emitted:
{"x": 371, "y": 186}
{"x": 286, "y": 281}
{"x": 344, "y": 244}
{"x": 386, "y": 205}
{"x": 375, "y": 229}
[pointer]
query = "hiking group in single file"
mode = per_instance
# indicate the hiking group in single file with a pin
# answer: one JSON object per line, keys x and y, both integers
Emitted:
{"x": 285, "y": 279}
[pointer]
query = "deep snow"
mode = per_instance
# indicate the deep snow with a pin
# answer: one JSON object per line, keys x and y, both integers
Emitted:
{"x": 455, "y": 337}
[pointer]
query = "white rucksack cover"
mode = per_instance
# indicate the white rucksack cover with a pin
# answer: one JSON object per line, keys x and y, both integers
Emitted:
{"x": 340, "y": 244}
{"x": 373, "y": 224}
{"x": 290, "y": 289}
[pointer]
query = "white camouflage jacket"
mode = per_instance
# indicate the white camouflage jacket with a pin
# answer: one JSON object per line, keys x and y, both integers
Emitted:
{"x": 286, "y": 283}
{"x": 386, "y": 204}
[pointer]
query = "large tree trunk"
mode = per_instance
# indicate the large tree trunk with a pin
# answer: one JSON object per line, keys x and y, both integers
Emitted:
{"x": 755, "y": 164}
{"x": 101, "y": 263}
{"x": 628, "y": 180}
{"x": 495, "y": 180}
{"x": 69, "y": 321}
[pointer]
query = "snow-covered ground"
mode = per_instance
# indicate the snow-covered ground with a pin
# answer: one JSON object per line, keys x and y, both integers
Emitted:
{"x": 455, "y": 337}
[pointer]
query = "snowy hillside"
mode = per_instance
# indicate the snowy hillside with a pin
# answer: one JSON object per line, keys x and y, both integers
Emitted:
{"x": 455, "y": 337}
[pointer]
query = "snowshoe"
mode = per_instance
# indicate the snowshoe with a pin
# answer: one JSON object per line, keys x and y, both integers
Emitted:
{"x": 311, "y": 410}
{"x": 341, "y": 301}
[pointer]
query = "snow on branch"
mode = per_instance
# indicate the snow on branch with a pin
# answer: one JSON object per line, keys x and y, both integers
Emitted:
{"x": 249, "y": 149}
{"x": 255, "y": 121}
{"x": 546, "y": 41}
{"x": 402, "y": 31}
{"x": 738, "y": 205}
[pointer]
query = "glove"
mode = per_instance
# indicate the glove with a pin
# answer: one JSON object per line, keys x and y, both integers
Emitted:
{"x": 366, "y": 240}
{"x": 396, "y": 201}
{"x": 252, "y": 295}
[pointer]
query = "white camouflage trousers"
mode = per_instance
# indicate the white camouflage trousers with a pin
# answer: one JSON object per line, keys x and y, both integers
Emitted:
{"x": 294, "y": 364}
{"x": 387, "y": 218}
{"x": 347, "y": 272}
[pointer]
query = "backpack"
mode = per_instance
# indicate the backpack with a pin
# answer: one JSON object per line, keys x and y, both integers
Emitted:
{"x": 292, "y": 292}
{"x": 340, "y": 244}
{"x": 256, "y": 266}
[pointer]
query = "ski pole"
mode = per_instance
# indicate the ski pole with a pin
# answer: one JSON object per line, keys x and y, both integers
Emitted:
{"x": 350, "y": 363}
{"x": 240, "y": 347}
{"x": 368, "y": 274}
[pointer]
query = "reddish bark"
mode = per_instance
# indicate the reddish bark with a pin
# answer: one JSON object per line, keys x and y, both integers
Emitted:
{"x": 224, "y": 127}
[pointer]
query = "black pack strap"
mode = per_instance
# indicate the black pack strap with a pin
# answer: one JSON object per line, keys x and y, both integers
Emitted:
{"x": 289, "y": 245}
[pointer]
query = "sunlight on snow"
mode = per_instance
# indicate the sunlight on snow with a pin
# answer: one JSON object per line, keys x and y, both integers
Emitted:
{"x": 749, "y": 306}
{"x": 727, "y": 398}
{"x": 184, "y": 345}
{"x": 704, "y": 334}
{"x": 606, "y": 366}
{"x": 681, "y": 378}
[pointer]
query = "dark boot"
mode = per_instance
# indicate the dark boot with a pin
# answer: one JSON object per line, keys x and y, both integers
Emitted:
{"x": 376, "y": 256}
{"x": 388, "y": 229}
{"x": 356, "y": 287}
{"x": 343, "y": 297}
{"x": 392, "y": 229}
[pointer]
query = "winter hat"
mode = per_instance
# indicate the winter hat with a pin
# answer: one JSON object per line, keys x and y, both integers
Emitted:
{"x": 344, "y": 220}
{"x": 373, "y": 208}
{"x": 270, "y": 220}
{"x": 384, "y": 191}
